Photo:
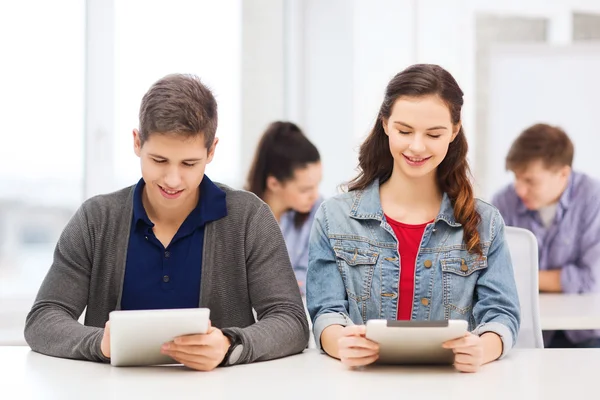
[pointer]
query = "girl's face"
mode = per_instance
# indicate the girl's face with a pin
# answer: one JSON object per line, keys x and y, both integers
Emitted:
{"x": 420, "y": 130}
{"x": 302, "y": 191}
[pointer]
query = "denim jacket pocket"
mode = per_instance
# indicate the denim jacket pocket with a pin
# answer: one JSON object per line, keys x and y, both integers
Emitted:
{"x": 459, "y": 278}
{"x": 357, "y": 267}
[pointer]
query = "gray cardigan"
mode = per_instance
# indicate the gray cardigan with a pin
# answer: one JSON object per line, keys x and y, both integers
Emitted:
{"x": 245, "y": 265}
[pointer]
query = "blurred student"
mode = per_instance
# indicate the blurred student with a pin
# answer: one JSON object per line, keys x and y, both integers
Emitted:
{"x": 562, "y": 208}
{"x": 408, "y": 241}
{"x": 173, "y": 240}
{"x": 285, "y": 174}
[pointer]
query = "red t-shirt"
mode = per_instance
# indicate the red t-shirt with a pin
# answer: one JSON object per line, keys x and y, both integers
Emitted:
{"x": 409, "y": 240}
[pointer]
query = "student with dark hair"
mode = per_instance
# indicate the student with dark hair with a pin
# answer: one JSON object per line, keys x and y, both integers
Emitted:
{"x": 285, "y": 174}
{"x": 409, "y": 241}
{"x": 174, "y": 240}
{"x": 562, "y": 208}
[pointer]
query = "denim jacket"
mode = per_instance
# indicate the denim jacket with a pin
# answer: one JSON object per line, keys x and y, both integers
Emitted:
{"x": 353, "y": 269}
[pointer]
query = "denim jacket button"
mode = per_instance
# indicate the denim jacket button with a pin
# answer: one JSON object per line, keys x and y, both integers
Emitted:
{"x": 427, "y": 263}
{"x": 425, "y": 301}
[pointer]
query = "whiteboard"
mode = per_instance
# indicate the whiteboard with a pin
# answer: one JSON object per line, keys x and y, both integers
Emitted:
{"x": 558, "y": 85}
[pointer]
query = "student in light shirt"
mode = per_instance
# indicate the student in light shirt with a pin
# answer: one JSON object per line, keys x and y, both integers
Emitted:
{"x": 562, "y": 208}
{"x": 173, "y": 240}
{"x": 286, "y": 173}
{"x": 408, "y": 241}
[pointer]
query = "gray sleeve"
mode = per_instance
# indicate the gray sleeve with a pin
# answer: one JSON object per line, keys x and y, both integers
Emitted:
{"x": 282, "y": 327}
{"x": 51, "y": 327}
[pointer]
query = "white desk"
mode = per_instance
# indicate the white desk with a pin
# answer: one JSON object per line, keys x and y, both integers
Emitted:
{"x": 525, "y": 374}
{"x": 569, "y": 312}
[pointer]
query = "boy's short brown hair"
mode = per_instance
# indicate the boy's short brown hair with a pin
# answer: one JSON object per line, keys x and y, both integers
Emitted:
{"x": 182, "y": 104}
{"x": 547, "y": 143}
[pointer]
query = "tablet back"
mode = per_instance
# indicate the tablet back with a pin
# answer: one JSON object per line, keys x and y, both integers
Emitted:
{"x": 414, "y": 342}
{"x": 137, "y": 336}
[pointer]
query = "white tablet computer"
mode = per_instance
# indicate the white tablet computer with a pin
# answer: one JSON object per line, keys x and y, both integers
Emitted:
{"x": 137, "y": 336}
{"x": 414, "y": 342}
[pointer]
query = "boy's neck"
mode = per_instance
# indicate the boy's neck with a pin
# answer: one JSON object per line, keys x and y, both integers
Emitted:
{"x": 169, "y": 217}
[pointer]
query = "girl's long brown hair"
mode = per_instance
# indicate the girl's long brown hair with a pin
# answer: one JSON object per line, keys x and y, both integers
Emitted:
{"x": 453, "y": 175}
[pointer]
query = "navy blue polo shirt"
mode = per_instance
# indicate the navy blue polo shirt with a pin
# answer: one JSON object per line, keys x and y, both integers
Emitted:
{"x": 157, "y": 277}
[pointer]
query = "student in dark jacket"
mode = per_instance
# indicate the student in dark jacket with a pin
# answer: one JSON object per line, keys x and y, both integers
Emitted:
{"x": 174, "y": 240}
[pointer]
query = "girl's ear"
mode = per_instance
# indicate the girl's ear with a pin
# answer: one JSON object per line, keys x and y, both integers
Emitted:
{"x": 384, "y": 123}
{"x": 455, "y": 131}
{"x": 273, "y": 184}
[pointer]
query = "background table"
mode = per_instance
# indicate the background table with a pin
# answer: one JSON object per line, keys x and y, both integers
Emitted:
{"x": 569, "y": 311}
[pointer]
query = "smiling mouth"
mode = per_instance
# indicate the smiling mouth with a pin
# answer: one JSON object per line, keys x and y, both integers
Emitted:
{"x": 416, "y": 160}
{"x": 169, "y": 191}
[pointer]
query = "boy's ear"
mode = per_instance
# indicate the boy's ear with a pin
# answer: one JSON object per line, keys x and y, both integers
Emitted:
{"x": 211, "y": 151}
{"x": 137, "y": 142}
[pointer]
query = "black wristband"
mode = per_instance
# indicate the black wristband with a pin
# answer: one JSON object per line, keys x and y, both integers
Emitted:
{"x": 234, "y": 341}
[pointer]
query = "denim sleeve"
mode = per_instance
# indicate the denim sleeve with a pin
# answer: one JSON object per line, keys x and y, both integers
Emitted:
{"x": 325, "y": 290}
{"x": 497, "y": 308}
{"x": 583, "y": 276}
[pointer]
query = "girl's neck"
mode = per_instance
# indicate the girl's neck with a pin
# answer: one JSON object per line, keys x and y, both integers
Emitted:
{"x": 411, "y": 200}
{"x": 278, "y": 208}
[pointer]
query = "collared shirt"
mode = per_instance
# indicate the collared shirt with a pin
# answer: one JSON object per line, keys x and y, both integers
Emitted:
{"x": 157, "y": 277}
{"x": 547, "y": 214}
{"x": 296, "y": 240}
{"x": 571, "y": 242}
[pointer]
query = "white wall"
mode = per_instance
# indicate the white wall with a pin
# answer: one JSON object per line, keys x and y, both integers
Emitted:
{"x": 123, "y": 61}
{"x": 325, "y": 63}
{"x": 348, "y": 60}
{"x": 446, "y": 35}
{"x": 543, "y": 83}
{"x": 352, "y": 48}
{"x": 380, "y": 52}
{"x": 263, "y": 73}
{"x": 99, "y": 97}
{"x": 328, "y": 89}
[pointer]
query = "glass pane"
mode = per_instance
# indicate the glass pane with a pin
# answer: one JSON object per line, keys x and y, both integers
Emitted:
{"x": 490, "y": 30}
{"x": 41, "y": 155}
{"x": 586, "y": 27}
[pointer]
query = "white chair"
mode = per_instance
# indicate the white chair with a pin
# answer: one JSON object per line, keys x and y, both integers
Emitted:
{"x": 524, "y": 253}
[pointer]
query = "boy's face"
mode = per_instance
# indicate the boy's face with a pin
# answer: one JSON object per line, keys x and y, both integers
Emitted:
{"x": 172, "y": 168}
{"x": 538, "y": 186}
